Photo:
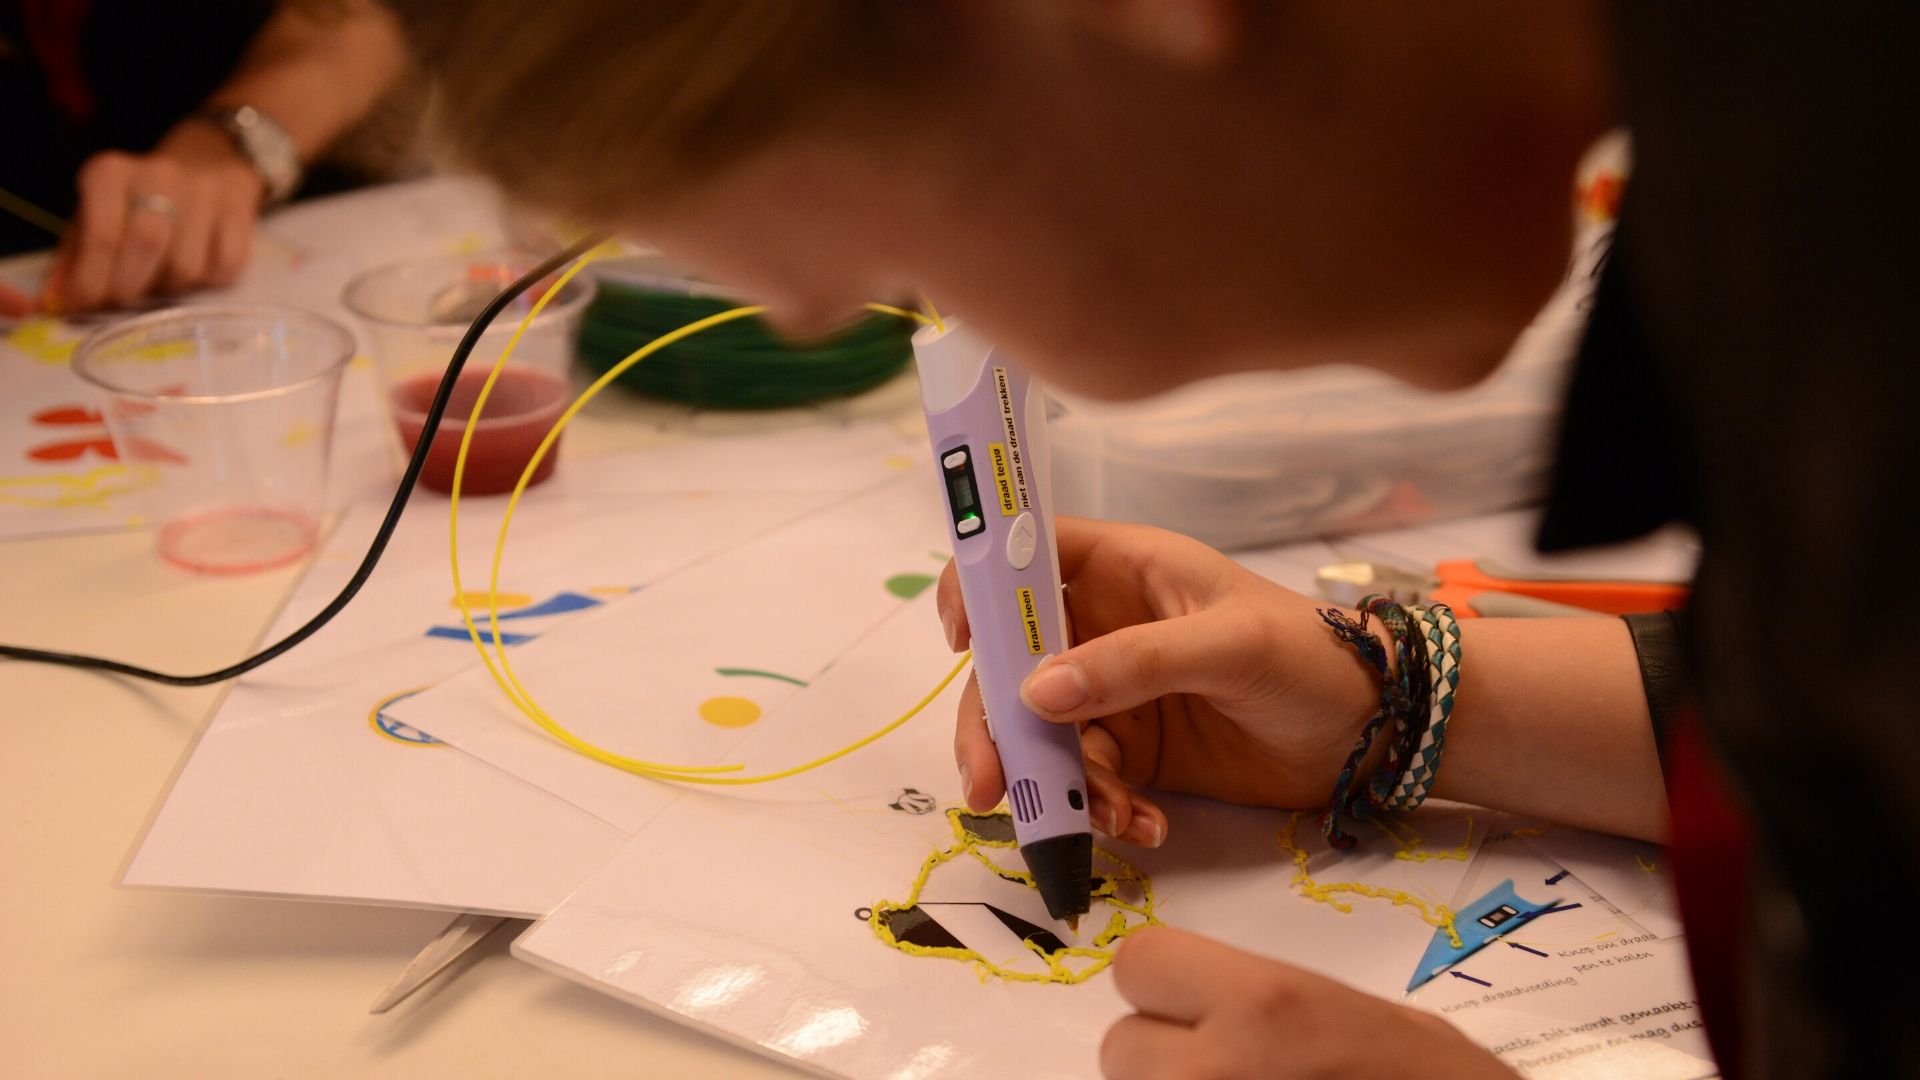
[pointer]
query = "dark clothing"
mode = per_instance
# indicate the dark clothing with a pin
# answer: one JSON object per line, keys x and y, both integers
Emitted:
{"x": 81, "y": 76}
{"x": 1753, "y": 358}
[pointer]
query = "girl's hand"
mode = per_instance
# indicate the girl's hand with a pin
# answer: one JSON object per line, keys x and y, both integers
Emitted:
{"x": 179, "y": 218}
{"x": 1206, "y": 1010}
{"x": 1192, "y": 674}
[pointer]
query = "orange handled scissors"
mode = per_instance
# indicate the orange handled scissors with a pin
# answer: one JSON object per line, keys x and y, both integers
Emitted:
{"x": 1482, "y": 587}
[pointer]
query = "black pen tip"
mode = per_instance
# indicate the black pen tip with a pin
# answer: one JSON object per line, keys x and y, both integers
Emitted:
{"x": 1062, "y": 868}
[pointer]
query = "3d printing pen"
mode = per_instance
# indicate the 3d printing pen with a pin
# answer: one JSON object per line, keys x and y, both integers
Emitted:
{"x": 988, "y": 425}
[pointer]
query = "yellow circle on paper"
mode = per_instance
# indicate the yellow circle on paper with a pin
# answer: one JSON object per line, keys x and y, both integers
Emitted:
{"x": 729, "y": 711}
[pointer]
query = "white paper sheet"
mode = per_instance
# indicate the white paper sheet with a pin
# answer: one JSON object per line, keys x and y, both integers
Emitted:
{"x": 680, "y": 672}
{"x": 1586, "y": 992}
{"x": 738, "y": 912}
{"x": 1631, "y": 874}
{"x": 301, "y": 786}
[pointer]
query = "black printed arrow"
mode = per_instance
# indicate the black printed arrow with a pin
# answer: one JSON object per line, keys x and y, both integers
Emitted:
{"x": 1469, "y": 978}
{"x": 1524, "y": 948}
{"x": 1555, "y": 879}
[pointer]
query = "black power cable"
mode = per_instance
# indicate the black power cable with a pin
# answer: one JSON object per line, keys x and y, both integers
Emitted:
{"x": 380, "y": 538}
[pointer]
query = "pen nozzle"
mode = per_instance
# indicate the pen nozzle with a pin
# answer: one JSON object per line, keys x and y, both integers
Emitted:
{"x": 1073, "y": 923}
{"x": 1062, "y": 868}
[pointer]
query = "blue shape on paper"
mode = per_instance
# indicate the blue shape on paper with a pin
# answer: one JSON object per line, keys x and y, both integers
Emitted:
{"x": 561, "y": 603}
{"x": 1480, "y": 923}
{"x": 558, "y": 604}
{"x": 459, "y": 633}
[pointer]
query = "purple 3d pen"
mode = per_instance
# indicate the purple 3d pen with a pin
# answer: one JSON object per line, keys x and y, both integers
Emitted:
{"x": 988, "y": 424}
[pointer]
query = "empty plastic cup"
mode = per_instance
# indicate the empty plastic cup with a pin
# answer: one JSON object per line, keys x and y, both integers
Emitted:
{"x": 224, "y": 414}
{"x": 416, "y": 312}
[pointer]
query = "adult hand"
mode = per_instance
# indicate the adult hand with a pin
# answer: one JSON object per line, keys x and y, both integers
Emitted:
{"x": 179, "y": 218}
{"x": 1192, "y": 674}
{"x": 1207, "y": 1010}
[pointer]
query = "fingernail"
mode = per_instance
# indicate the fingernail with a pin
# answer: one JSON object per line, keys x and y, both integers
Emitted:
{"x": 946, "y": 623}
{"x": 1055, "y": 688}
{"x": 1144, "y": 831}
{"x": 966, "y": 783}
{"x": 1113, "y": 820}
{"x": 1102, "y": 816}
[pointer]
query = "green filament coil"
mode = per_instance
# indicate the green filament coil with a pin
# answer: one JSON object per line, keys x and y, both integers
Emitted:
{"x": 739, "y": 365}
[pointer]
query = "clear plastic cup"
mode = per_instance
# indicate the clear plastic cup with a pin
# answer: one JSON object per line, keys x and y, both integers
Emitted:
{"x": 226, "y": 414}
{"x": 416, "y": 312}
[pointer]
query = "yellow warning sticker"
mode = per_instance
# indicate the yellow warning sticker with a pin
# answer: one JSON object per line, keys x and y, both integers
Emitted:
{"x": 1016, "y": 457}
{"x": 1031, "y": 617}
{"x": 1002, "y": 478}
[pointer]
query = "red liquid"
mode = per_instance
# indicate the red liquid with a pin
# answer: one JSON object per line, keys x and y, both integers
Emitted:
{"x": 523, "y": 406}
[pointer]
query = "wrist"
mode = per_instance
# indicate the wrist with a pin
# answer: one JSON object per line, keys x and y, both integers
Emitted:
{"x": 200, "y": 144}
{"x": 260, "y": 143}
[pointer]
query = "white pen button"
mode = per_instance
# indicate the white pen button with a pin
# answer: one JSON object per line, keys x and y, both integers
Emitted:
{"x": 955, "y": 459}
{"x": 1021, "y": 540}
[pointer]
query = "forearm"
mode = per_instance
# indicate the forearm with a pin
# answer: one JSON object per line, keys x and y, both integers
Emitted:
{"x": 317, "y": 72}
{"x": 1550, "y": 720}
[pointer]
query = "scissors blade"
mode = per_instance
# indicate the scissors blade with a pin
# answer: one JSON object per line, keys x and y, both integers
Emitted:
{"x": 464, "y": 932}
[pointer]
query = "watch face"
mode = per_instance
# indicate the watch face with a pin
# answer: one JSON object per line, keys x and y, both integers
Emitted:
{"x": 268, "y": 147}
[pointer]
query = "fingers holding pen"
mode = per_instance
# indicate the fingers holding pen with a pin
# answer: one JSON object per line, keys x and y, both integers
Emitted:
{"x": 1217, "y": 653}
{"x": 1115, "y": 807}
{"x": 982, "y": 783}
{"x": 953, "y": 610}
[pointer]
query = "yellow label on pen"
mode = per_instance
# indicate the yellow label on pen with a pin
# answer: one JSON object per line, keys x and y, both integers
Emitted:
{"x": 1031, "y": 617}
{"x": 1002, "y": 478}
{"x": 1016, "y": 457}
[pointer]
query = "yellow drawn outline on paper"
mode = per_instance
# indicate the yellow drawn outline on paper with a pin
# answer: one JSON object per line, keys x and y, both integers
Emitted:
{"x": 1411, "y": 845}
{"x": 1100, "y": 952}
{"x": 1438, "y": 916}
{"x": 52, "y": 341}
{"x": 35, "y": 337}
{"x": 89, "y": 488}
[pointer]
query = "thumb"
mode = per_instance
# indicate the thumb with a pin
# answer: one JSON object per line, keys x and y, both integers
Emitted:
{"x": 1220, "y": 653}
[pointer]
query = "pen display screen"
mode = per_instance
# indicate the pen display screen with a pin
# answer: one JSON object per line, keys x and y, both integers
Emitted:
{"x": 963, "y": 495}
{"x": 960, "y": 490}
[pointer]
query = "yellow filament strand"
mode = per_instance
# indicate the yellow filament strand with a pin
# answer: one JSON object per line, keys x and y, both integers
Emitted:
{"x": 1438, "y": 916}
{"x": 502, "y": 673}
{"x": 1099, "y": 954}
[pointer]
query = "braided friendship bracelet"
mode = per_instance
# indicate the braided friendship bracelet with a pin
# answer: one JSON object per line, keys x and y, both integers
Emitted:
{"x": 1442, "y": 633}
{"x": 1375, "y": 656}
{"x": 1416, "y": 683}
{"x": 1400, "y": 693}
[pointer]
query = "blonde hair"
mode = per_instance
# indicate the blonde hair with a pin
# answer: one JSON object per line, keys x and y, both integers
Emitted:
{"x": 579, "y": 105}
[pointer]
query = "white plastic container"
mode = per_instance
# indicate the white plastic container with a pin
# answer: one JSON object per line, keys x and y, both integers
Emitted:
{"x": 1252, "y": 460}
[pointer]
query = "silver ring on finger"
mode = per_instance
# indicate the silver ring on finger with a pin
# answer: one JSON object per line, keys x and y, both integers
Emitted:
{"x": 155, "y": 203}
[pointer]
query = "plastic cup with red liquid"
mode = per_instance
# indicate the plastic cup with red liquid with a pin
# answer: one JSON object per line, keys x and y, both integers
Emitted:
{"x": 415, "y": 313}
{"x": 222, "y": 415}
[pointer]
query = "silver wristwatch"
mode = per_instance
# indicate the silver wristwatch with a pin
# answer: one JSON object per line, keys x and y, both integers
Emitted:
{"x": 266, "y": 146}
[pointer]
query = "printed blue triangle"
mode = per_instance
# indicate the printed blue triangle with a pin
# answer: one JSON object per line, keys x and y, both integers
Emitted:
{"x": 1499, "y": 912}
